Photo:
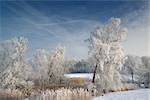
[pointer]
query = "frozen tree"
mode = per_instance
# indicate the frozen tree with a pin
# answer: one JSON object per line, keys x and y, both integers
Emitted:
{"x": 139, "y": 67}
{"x": 56, "y": 70}
{"x": 105, "y": 45}
{"x": 49, "y": 65}
{"x": 12, "y": 62}
{"x": 133, "y": 65}
{"x": 40, "y": 65}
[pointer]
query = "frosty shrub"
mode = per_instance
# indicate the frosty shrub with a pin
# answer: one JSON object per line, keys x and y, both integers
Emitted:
{"x": 145, "y": 78}
{"x": 105, "y": 47}
{"x": 129, "y": 86}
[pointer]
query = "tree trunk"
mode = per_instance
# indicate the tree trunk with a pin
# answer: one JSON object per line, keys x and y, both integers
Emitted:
{"x": 60, "y": 81}
{"x": 94, "y": 74}
{"x": 148, "y": 80}
{"x": 132, "y": 76}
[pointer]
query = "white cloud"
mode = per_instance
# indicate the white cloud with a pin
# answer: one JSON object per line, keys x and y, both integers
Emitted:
{"x": 48, "y": 31}
{"x": 137, "y": 42}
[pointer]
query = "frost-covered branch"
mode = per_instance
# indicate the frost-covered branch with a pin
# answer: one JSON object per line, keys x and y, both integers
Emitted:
{"x": 105, "y": 46}
{"x": 11, "y": 60}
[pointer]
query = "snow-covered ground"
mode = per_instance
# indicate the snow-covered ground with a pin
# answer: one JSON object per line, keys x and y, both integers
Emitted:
{"x": 141, "y": 94}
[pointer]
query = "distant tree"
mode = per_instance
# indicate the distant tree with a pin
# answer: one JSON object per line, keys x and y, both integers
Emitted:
{"x": 105, "y": 45}
{"x": 11, "y": 60}
{"x": 82, "y": 66}
{"x": 146, "y": 62}
{"x": 69, "y": 65}
{"x": 139, "y": 67}
{"x": 145, "y": 76}
{"x": 79, "y": 66}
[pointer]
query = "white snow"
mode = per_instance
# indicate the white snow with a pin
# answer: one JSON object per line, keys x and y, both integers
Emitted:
{"x": 141, "y": 94}
{"x": 79, "y": 75}
{"x": 90, "y": 75}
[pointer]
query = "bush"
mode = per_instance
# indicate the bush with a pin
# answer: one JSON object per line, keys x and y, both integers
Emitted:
{"x": 130, "y": 86}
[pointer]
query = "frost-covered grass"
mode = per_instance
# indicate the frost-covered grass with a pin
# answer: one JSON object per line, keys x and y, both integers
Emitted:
{"x": 141, "y": 94}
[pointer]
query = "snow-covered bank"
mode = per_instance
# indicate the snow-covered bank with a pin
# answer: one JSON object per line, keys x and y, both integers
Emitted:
{"x": 79, "y": 75}
{"x": 141, "y": 94}
{"x": 90, "y": 75}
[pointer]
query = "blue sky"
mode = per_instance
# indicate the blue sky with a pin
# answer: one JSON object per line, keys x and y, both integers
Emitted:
{"x": 47, "y": 24}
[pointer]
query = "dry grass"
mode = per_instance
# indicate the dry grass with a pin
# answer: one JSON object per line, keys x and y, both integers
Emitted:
{"x": 66, "y": 83}
{"x": 69, "y": 89}
{"x": 11, "y": 95}
{"x": 59, "y": 94}
{"x": 75, "y": 82}
{"x": 63, "y": 94}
